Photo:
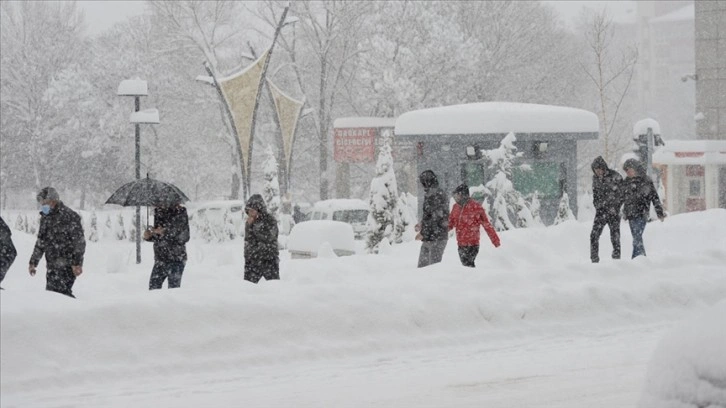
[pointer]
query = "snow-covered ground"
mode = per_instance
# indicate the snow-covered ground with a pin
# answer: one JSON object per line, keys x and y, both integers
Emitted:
{"x": 534, "y": 325}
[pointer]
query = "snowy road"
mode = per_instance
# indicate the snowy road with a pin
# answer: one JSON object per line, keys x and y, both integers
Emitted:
{"x": 592, "y": 369}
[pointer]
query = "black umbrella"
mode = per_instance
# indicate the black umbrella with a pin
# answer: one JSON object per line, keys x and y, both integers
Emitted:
{"x": 149, "y": 193}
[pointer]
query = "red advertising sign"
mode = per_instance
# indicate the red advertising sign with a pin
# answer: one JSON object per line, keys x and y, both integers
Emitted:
{"x": 354, "y": 145}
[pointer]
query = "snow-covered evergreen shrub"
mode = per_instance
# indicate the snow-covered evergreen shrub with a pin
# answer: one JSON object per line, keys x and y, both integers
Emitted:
{"x": 564, "y": 213}
{"x": 383, "y": 216}
{"x": 506, "y": 206}
{"x": 121, "y": 228}
{"x": 108, "y": 229}
{"x": 271, "y": 192}
{"x": 93, "y": 229}
{"x": 20, "y": 223}
{"x": 534, "y": 209}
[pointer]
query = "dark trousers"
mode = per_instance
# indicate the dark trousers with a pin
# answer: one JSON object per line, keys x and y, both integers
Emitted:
{"x": 431, "y": 252}
{"x": 60, "y": 279}
{"x": 163, "y": 270}
{"x": 254, "y": 271}
{"x": 468, "y": 254}
{"x": 613, "y": 223}
{"x": 637, "y": 227}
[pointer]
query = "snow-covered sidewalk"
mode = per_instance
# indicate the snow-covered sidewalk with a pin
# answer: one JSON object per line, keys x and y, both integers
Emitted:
{"x": 535, "y": 324}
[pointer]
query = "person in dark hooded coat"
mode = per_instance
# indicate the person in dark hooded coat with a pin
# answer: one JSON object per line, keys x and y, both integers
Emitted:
{"x": 433, "y": 230}
{"x": 607, "y": 197}
{"x": 262, "y": 256}
{"x": 639, "y": 193}
{"x": 61, "y": 240}
{"x": 169, "y": 235}
{"x": 7, "y": 249}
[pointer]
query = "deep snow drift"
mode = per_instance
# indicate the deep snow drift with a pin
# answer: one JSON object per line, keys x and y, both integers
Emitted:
{"x": 369, "y": 330}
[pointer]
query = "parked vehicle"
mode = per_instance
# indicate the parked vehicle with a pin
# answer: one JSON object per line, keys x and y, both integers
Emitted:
{"x": 350, "y": 211}
{"x": 214, "y": 212}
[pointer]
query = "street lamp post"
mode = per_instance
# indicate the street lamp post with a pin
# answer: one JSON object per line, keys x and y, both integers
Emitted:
{"x": 138, "y": 88}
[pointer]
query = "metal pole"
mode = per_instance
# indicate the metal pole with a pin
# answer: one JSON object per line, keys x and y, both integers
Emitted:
{"x": 138, "y": 177}
{"x": 649, "y": 155}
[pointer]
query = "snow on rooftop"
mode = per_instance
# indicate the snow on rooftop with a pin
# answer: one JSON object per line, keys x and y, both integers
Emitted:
{"x": 685, "y": 152}
{"x": 641, "y": 127}
{"x": 496, "y": 117}
{"x": 148, "y": 116}
{"x": 682, "y": 14}
{"x": 133, "y": 87}
{"x": 364, "y": 122}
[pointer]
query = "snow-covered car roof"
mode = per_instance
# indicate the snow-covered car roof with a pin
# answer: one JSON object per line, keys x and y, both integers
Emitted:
{"x": 341, "y": 204}
{"x": 498, "y": 118}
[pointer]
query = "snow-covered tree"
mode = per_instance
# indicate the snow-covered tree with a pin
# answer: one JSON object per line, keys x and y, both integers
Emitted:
{"x": 383, "y": 215}
{"x": 121, "y": 228}
{"x": 108, "y": 228}
{"x": 93, "y": 229}
{"x": 534, "y": 208}
{"x": 507, "y": 207}
{"x": 406, "y": 218}
{"x": 564, "y": 213}
{"x": 20, "y": 223}
{"x": 271, "y": 191}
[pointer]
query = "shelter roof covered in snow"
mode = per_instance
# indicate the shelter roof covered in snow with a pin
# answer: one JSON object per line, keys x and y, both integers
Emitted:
{"x": 364, "y": 122}
{"x": 498, "y": 118}
{"x": 687, "y": 152}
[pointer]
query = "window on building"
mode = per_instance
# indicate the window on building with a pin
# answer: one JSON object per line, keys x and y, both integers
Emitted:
{"x": 694, "y": 188}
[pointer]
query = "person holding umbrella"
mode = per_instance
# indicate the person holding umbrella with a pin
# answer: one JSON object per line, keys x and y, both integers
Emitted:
{"x": 61, "y": 240}
{"x": 169, "y": 235}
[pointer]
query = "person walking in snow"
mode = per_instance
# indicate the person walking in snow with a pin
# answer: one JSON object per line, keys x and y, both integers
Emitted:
{"x": 607, "y": 197}
{"x": 7, "y": 249}
{"x": 466, "y": 217}
{"x": 61, "y": 240}
{"x": 639, "y": 192}
{"x": 262, "y": 256}
{"x": 169, "y": 235}
{"x": 433, "y": 229}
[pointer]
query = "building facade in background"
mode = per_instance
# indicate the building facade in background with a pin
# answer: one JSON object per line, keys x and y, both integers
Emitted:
{"x": 710, "y": 33}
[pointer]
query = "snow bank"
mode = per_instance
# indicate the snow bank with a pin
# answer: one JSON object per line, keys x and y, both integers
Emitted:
{"x": 539, "y": 282}
{"x": 496, "y": 117}
{"x": 688, "y": 370}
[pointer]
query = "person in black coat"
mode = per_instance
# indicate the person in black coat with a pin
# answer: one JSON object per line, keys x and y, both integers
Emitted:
{"x": 433, "y": 230}
{"x": 262, "y": 256}
{"x": 7, "y": 249}
{"x": 169, "y": 235}
{"x": 607, "y": 198}
{"x": 61, "y": 240}
{"x": 639, "y": 192}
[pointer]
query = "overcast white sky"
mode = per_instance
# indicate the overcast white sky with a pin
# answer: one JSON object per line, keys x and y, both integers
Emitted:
{"x": 102, "y": 14}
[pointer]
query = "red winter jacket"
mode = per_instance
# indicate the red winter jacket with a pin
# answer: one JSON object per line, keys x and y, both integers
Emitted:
{"x": 467, "y": 224}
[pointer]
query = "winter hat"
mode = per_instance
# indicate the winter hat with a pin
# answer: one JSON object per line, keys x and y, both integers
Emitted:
{"x": 462, "y": 189}
{"x": 599, "y": 163}
{"x": 48, "y": 193}
{"x": 256, "y": 202}
{"x": 428, "y": 179}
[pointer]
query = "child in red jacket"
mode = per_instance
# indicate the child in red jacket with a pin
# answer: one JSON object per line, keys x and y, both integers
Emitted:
{"x": 466, "y": 217}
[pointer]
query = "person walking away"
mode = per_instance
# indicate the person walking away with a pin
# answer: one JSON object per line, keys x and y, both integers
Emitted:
{"x": 466, "y": 217}
{"x": 7, "y": 249}
{"x": 169, "y": 235}
{"x": 639, "y": 193}
{"x": 61, "y": 240}
{"x": 607, "y": 197}
{"x": 433, "y": 231}
{"x": 262, "y": 256}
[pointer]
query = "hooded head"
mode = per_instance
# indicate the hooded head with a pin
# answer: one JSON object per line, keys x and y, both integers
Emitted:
{"x": 256, "y": 202}
{"x": 635, "y": 165}
{"x": 599, "y": 163}
{"x": 461, "y": 194}
{"x": 428, "y": 179}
